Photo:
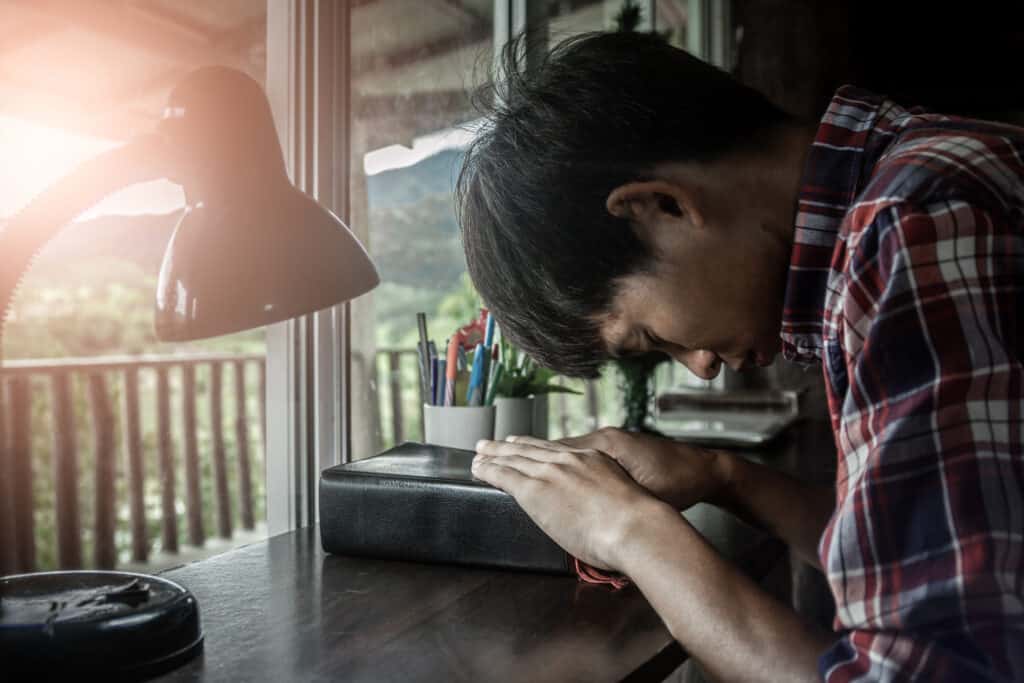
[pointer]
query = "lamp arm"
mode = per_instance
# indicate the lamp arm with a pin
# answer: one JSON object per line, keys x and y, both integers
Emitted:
{"x": 41, "y": 219}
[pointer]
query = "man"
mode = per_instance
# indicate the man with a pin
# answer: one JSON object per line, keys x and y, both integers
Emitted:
{"x": 625, "y": 197}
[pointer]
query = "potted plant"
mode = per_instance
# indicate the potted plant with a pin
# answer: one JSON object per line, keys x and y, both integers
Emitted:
{"x": 637, "y": 394}
{"x": 521, "y": 395}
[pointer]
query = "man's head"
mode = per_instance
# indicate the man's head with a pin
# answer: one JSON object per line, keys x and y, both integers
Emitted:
{"x": 623, "y": 197}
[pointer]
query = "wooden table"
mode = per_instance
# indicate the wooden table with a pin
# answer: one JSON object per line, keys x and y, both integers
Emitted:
{"x": 281, "y": 610}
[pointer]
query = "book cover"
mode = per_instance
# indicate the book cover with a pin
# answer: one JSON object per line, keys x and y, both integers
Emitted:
{"x": 421, "y": 503}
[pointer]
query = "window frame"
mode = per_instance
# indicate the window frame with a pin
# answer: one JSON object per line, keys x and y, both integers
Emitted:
{"x": 309, "y": 358}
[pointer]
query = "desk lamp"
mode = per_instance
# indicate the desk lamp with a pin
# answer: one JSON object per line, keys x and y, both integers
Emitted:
{"x": 249, "y": 250}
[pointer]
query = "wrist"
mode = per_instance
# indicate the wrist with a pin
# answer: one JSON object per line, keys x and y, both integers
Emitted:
{"x": 647, "y": 524}
{"x": 727, "y": 473}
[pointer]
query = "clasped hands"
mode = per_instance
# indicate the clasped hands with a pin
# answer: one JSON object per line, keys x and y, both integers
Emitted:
{"x": 594, "y": 494}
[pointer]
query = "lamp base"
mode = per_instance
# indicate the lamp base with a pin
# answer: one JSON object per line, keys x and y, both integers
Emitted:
{"x": 118, "y": 625}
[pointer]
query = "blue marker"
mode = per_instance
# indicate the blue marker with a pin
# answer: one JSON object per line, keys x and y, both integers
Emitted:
{"x": 476, "y": 377}
{"x": 489, "y": 334}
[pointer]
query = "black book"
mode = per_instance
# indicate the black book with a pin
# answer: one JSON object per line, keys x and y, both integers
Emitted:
{"x": 421, "y": 503}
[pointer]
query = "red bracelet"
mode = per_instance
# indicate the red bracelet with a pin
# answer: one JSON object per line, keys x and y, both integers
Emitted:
{"x": 588, "y": 574}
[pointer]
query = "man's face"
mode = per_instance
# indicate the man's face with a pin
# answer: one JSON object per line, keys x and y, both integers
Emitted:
{"x": 714, "y": 294}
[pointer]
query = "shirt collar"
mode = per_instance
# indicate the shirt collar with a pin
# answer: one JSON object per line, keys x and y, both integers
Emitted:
{"x": 841, "y": 157}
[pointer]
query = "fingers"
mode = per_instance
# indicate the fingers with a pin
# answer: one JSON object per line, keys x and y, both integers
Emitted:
{"x": 505, "y": 448}
{"x": 507, "y": 479}
{"x": 557, "y": 446}
{"x": 528, "y": 466}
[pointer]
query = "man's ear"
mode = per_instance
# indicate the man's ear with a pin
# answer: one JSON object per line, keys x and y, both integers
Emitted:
{"x": 647, "y": 201}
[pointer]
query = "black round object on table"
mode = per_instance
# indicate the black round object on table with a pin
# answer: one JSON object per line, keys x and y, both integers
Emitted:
{"x": 118, "y": 625}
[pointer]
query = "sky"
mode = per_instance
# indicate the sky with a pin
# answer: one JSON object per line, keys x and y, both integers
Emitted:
{"x": 33, "y": 156}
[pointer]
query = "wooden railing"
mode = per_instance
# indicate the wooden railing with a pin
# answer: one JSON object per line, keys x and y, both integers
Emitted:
{"x": 113, "y": 398}
{"x": 35, "y": 392}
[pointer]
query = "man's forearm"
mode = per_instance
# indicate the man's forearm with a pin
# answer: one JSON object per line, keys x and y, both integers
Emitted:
{"x": 787, "y": 508}
{"x": 732, "y": 627}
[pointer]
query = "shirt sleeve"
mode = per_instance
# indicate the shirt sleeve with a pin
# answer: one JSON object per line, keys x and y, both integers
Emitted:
{"x": 925, "y": 552}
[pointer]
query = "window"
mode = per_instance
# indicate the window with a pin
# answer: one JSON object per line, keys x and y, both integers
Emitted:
{"x": 116, "y": 449}
{"x": 410, "y": 119}
{"x": 412, "y": 74}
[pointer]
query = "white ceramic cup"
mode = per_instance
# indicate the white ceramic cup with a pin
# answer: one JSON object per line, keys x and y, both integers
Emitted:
{"x": 457, "y": 426}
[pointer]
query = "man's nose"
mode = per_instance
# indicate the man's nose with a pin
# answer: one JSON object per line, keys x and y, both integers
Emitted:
{"x": 704, "y": 364}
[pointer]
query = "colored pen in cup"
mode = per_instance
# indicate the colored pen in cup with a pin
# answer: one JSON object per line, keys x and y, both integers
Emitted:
{"x": 452, "y": 370}
{"x": 499, "y": 370}
{"x": 434, "y": 379}
{"x": 489, "y": 331}
{"x": 473, "y": 396}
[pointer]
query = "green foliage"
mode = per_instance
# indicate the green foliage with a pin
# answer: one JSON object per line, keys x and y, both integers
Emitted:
{"x": 636, "y": 373}
{"x": 523, "y": 377}
{"x": 628, "y": 17}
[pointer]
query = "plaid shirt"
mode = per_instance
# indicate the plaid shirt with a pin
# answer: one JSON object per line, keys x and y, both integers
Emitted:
{"x": 907, "y": 283}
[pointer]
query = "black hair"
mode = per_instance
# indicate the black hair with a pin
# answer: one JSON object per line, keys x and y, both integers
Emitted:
{"x": 597, "y": 111}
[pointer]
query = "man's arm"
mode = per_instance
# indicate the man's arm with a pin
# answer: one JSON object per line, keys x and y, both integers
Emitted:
{"x": 927, "y": 355}
{"x": 593, "y": 509}
{"x": 681, "y": 475}
{"x": 785, "y": 507}
{"x": 735, "y": 629}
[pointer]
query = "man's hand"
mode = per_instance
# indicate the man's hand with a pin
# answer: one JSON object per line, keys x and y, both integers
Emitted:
{"x": 679, "y": 474}
{"x": 581, "y": 498}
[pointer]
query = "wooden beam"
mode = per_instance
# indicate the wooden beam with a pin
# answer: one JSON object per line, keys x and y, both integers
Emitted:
{"x": 375, "y": 63}
{"x": 106, "y": 113}
{"x": 110, "y": 20}
{"x": 380, "y": 120}
{"x": 460, "y": 12}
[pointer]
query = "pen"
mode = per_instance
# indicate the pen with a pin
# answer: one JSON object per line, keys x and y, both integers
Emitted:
{"x": 433, "y": 381}
{"x": 441, "y": 363}
{"x": 489, "y": 331}
{"x": 423, "y": 348}
{"x": 476, "y": 377}
{"x": 499, "y": 369}
{"x": 452, "y": 371}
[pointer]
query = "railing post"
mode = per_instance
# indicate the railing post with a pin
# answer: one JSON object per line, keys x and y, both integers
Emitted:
{"x": 169, "y": 537}
{"x": 563, "y": 412}
{"x": 220, "y": 468}
{"x": 395, "y": 378}
{"x": 592, "y": 404}
{"x": 263, "y": 406}
{"x": 193, "y": 494}
{"x": 8, "y": 543}
{"x": 21, "y": 471}
{"x": 136, "y": 467}
{"x": 242, "y": 441}
{"x": 106, "y": 471}
{"x": 65, "y": 474}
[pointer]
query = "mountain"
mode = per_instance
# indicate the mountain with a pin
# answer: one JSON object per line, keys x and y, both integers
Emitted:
{"x": 399, "y": 187}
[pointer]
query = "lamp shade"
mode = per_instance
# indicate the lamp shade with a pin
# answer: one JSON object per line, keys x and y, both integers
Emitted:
{"x": 250, "y": 249}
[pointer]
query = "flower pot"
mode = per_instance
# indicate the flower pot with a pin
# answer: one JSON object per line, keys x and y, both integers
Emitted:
{"x": 540, "y": 416}
{"x": 513, "y": 416}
